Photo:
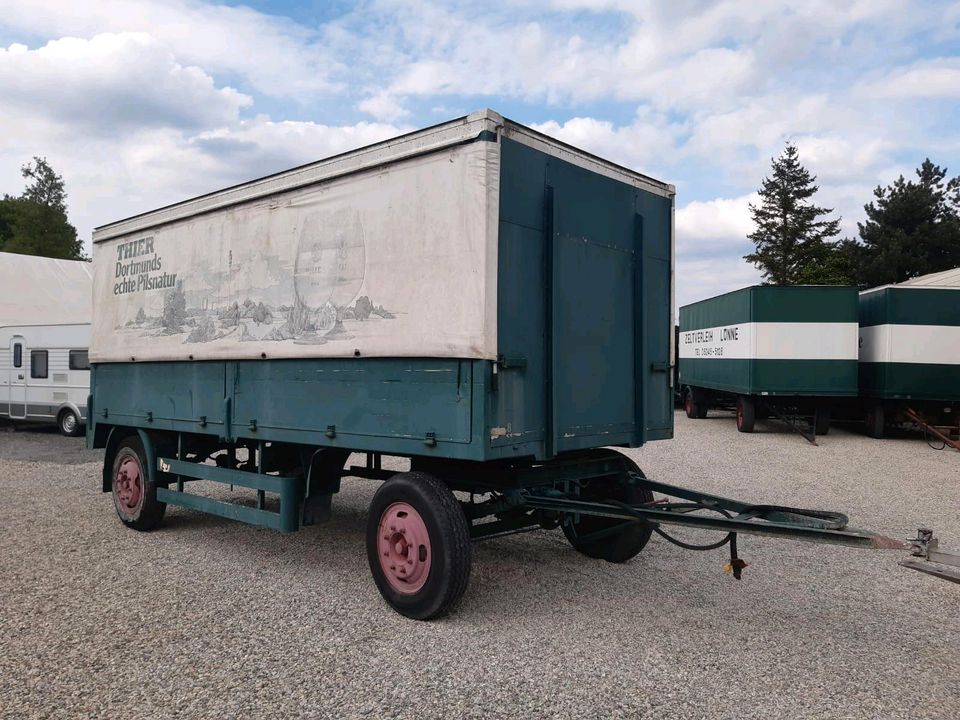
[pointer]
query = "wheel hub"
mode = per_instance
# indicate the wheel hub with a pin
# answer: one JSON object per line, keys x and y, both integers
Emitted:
{"x": 129, "y": 484}
{"x": 404, "y": 548}
{"x": 69, "y": 422}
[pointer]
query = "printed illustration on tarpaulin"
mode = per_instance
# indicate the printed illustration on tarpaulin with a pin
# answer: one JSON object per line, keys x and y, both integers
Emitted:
{"x": 313, "y": 302}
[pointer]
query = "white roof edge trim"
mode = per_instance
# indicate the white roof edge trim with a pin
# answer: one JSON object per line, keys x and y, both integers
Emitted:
{"x": 582, "y": 158}
{"x": 901, "y": 286}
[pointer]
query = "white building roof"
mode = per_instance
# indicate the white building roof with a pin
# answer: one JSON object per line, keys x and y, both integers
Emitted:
{"x": 44, "y": 291}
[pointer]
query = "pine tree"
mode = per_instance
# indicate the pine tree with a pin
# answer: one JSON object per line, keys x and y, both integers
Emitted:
{"x": 912, "y": 228}
{"x": 792, "y": 238}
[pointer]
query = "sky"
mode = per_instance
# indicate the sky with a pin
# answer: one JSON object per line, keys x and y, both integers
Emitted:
{"x": 140, "y": 103}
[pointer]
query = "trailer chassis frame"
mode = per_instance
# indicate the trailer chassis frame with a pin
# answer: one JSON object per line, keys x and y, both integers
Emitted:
{"x": 522, "y": 497}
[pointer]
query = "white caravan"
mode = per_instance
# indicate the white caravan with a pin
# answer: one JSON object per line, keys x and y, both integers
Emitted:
{"x": 45, "y": 374}
{"x": 44, "y": 335}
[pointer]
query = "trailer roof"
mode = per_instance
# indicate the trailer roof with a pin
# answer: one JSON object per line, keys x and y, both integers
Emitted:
{"x": 419, "y": 142}
{"x": 44, "y": 291}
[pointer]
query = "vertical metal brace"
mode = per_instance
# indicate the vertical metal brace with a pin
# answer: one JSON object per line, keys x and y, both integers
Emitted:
{"x": 639, "y": 331}
{"x": 179, "y": 457}
{"x": 261, "y": 496}
{"x": 550, "y": 362}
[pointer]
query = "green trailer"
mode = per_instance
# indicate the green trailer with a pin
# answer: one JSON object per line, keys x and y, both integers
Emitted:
{"x": 482, "y": 300}
{"x": 787, "y": 351}
{"x": 910, "y": 358}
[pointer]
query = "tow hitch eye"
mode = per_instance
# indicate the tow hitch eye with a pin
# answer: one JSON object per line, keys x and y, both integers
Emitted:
{"x": 924, "y": 543}
{"x": 932, "y": 560}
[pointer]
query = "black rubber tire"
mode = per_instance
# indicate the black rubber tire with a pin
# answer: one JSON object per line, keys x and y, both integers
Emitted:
{"x": 69, "y": 423}
{"x": 449, "y": 540}
{"x": 821, "y": 421}
{"x": 693, "y": 408}
{"x": 746, "y": 414}
{"x": 620, "y": 546}
{"x": 150, "y": 511}
{"x": 690, "y": 407}
{"x": 875, "y": 421}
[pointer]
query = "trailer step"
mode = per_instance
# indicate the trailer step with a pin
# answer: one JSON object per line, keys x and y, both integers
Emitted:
{"x": 289, "y": 488}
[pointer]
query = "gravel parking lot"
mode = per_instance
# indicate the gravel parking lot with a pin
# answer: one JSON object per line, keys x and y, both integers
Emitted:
{"x": 209, "y": 618}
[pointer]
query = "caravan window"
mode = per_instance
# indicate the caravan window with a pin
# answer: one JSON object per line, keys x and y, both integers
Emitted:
{"x": 17, "y": 355}
{"x": 38, "y": 363}
{"x": 79, "y": 360}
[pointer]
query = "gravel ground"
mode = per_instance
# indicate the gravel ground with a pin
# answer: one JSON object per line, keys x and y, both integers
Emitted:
{"x": 209, "y": 618}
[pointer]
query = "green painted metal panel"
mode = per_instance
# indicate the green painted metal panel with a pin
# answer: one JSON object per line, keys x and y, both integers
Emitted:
{"x": 910, "y": 306}
{"x": 379, "y": 397}
{"x": 807, "y": 303}
{"x": 768, "y": 303}
{"x": 772, "y": 377}
{"x": 925, "y": 381}
{"x": 727, "y": 309}
{"x": 805, "y": 377}
{"x": 162, "y": 396}
{"x": 597, "y": 297}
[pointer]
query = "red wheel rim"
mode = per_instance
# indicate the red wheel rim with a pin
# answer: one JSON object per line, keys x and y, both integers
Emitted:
{"x": 403, "y": 546}
{"x": 128, "y": 485}
{"x": 739, "y": 413}
{"x": 689, "y": 405}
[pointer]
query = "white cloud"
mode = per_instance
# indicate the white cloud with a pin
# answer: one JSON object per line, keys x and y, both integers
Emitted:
{"x": 110, "y": 83}
{"x": 698, "y": 278}
{"x": 274, "y": 55}
{"x": 939, "y": 78}
{"x": 714, "y": 226}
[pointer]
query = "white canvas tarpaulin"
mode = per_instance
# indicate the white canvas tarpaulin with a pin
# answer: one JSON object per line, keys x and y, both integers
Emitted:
{"x": 44, "y": 291}
{"x": 395, "y": 260}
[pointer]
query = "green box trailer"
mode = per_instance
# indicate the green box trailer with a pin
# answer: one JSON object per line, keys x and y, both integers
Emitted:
{"x": 910, "y": 357}
{"x": 491, "y": 304}
{"x": 789, "y": 351}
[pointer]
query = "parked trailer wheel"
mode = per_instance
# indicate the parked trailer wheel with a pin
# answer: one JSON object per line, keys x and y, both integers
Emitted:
{"x": 875, "y": 421}
{"x": 134, "y": 495}
{"x": 69, "y": 423}
{"x": 594, "y": 536}
{"x": 694, "y": 405}
{"x": 821, "y": 421}
{"x": 688, "y": 405}
{"x": 746, "y": 414}
{"x": 418, "y": 545}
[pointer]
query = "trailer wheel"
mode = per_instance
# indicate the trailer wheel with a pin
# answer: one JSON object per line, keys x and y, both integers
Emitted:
{"x": 595, "y": 536}
{"x": 134, "y": 495}
{"x": 68, "y": 422}
{"x": 694, "y": 409}
{"x": 418, "y": 545}
{"x": 875, "y": 421}
{"x": 821, "y": 421}
{"x": 746, "y": 414}
{"x": 688, "y": 405}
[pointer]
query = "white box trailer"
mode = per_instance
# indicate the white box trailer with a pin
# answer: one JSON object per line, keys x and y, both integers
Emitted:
{"x": 44, "y": 338}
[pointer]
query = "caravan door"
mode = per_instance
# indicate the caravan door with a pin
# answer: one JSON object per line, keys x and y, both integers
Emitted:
{"x": 17, "y": 398}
